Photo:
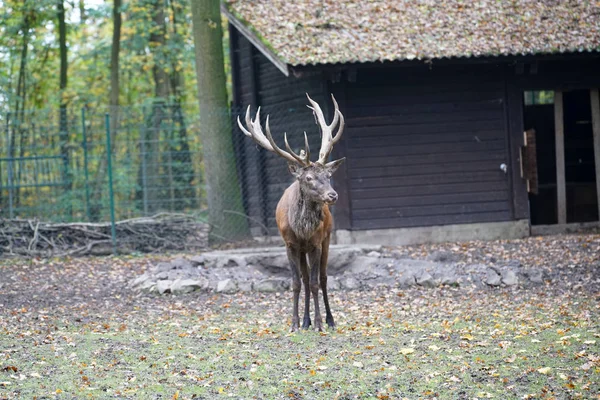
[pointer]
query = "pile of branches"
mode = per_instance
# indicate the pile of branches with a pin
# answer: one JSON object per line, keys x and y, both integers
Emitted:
{"x": 159, "y": 233}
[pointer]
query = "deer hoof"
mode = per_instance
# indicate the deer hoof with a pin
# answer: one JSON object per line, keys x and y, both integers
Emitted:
{"x": 330, "y": 322}
{"x": 318, "y": 326}
{"x": 306, "y": 323}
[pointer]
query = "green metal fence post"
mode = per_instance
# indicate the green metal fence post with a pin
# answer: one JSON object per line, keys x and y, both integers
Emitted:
{"x": 85, "y": 165}
{"x": 111, "y": 194}
{"x": 10, "y": 169}
{"x": 143, "y": 157}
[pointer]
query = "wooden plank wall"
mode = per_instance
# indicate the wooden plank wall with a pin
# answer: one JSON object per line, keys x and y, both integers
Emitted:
{"x": 248, "y": 159}
{"x": 284, "y": 99}
{"x": 425, "y": 147}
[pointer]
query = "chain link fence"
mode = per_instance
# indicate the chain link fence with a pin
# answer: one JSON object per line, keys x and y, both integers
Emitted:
{"x": 81, "y": 180}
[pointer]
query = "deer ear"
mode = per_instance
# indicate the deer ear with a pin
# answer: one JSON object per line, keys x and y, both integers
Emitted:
{"x": 295, "y": 170}
{"x": 333, "y": 166}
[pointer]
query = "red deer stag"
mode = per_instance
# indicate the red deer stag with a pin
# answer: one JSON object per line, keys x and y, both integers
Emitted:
{"x": 302, "y": 214}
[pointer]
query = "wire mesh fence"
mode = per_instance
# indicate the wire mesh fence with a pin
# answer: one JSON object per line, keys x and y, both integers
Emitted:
{"x": 54, "y": 164}
{"x": 138, "y": 178}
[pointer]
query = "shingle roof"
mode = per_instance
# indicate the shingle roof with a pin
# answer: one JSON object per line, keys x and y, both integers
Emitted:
{"x": 303, "y": 32}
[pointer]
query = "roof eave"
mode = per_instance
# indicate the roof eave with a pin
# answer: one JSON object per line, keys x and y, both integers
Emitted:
{"x": 487, "y": 59}
{"x": 252, "y": 38}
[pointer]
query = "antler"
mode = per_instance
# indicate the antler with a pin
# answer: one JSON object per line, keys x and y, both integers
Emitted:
{"x": 255, "y": 132}
{"x": 327, "y": 138}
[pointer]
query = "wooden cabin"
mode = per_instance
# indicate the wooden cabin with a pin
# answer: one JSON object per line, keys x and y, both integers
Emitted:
{"x": 462, "y": 122}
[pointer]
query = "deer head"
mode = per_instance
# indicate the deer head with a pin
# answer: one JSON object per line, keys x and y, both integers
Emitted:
{"x": 314, "y": 178}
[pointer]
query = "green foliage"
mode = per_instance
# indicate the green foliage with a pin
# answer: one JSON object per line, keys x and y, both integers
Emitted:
{"x": 32, "y": 25}
{"x": 155, "y": 36}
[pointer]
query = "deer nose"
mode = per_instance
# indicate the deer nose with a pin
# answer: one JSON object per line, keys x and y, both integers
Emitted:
{"x": 332, "y": 196}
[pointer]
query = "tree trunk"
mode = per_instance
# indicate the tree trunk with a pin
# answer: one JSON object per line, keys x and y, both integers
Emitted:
{"x": 114, "y": 68}
{"x": 154, "y": 185}
{"x": 19, "y": 114}
{"x": 223, "y": 191}
{"x": 98, "y": 186}
{"x": 186, "y": 193}
{"x": 63, "y": 123}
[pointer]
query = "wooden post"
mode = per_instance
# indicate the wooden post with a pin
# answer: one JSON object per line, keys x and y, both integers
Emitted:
{"x": 559, "y": 136}
{"x": 595, "y": 103}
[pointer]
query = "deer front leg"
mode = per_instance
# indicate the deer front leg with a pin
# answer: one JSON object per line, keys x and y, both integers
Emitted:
{"x": 323, "y": 272}
{"x": 294, "y": 259}
{"x": 314, "y": 259}
{"x": 306, "y": 283}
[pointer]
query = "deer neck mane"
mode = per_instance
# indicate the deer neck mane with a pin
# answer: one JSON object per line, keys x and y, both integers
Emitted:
{"x": 305, "y": 215}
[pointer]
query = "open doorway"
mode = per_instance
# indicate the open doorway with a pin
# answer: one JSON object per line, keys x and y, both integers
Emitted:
{"x": 580, "y": 173}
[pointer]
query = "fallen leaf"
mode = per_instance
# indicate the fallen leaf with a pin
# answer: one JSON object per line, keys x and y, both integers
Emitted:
{"x": 587, "y": 366}
{"x": 511, "y": 359}
{"x": 407, "y": 350}
{"x": 544, "y": 370}
{"x": 357, "y": 364}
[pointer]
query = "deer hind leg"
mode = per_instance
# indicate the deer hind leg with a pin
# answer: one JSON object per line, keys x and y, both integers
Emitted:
{"x": 323, "y": 278}
{"x": 314, "y": 259}
{"x": 305, "y": 280}
{"x": 294, "y": 259}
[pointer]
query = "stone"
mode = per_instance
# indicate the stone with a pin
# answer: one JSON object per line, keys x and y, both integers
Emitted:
{"x": 139, "y": 280}
{"x": 513, "y": 264}
{"x": 449, "y": 280}
{"x": 349, "y": 282}
{"x": 333, "y": 284}
{"x": 374, "y": 254}
{"x": 381, "y": 282}
{"x": 197, "y": 260}
{"x": 425, "y": 279}
{"x": 534, "y": 275}
{"x": 162, "y": 275}
{"x": 162, "y": 267}
{"x": 181, "y": 286}
{"x": 181, "y": 263}
{"x": 406, "y": 279}
{"x": 397, "y": 254}
{"x": 270, "y": 264}
{"x": 443, "y": 257}
{"x": 147, "y": 285}
{"x": 245, "y": 286}
{"x": 509, "y": 278}
{"x": 219, "y": 259}
{"x": 492, "y": 278}
{"x": 272, "y": 285}
{"x": 227, "y": 286}
{"x": 234, "y": 261}
{"x": 358, "y": 265}
{"x": 163, "y": 286}
{"x": 175, "y": 274}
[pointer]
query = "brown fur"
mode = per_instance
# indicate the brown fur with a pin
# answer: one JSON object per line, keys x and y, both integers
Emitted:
{"x": 300, "y": 252}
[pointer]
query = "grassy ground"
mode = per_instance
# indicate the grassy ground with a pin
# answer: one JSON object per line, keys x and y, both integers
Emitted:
{"x": 69, "y": 329}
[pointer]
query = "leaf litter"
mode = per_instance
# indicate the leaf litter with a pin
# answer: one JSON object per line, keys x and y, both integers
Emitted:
{"x": 70, "y": 327}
